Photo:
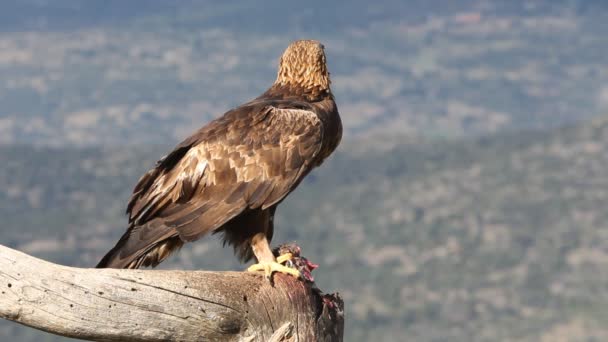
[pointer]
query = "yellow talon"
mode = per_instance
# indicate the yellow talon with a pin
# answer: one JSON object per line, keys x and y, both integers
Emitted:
{"x": 285, "y": 257}
{"x": 270, "y": 267}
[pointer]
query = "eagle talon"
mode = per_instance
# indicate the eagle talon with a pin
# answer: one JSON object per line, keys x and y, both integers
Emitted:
{"x": 270, "y": 267}
{"x": 284, "y": 258}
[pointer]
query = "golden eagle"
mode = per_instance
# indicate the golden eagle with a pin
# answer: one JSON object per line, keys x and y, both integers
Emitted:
{"x": 230, "y": 175}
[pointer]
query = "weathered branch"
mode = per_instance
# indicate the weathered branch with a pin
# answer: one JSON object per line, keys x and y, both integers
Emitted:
{"x": 152, "y": 305}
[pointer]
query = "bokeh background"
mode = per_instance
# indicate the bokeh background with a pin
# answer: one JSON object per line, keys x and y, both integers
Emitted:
{"x": 467, "y": 201}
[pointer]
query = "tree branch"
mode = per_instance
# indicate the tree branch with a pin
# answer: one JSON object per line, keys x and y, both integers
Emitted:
{"x": 153, "y": 305}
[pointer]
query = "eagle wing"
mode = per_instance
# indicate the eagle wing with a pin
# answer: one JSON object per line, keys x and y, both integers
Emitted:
{"x": 250, "y": 158}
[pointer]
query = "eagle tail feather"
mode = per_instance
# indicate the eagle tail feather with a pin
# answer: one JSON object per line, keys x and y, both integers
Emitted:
{"x": 129, "y": 254}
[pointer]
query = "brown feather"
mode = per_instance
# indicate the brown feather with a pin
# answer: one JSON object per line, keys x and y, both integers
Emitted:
{"x": 230, "y": 175}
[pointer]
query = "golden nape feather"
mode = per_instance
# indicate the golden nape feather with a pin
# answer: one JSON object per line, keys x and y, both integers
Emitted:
{"x": 303, "y": 65}
{"x": 230, "y": 175}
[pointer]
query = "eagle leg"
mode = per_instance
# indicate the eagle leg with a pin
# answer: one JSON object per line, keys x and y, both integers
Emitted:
{"x": 267, "y": 261}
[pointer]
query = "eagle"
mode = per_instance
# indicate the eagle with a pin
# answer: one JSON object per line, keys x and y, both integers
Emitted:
{"x": 230, "y": 175}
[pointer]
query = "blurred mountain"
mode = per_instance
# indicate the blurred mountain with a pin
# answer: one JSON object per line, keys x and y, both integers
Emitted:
{"x": 466, "y": 202}
{"x": 115, "y": 72}
{"x": 495, "y": 238}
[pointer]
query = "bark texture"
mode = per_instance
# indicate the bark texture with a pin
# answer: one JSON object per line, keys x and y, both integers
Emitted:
{"x": 153, "y": 305}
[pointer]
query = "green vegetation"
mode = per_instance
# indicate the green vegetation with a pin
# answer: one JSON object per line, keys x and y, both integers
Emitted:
{"x": 458, "y": 206}
{"x": 482, "y": 239}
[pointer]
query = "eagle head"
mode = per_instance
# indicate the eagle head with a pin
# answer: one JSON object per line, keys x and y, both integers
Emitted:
{"x": 303, "y": 65}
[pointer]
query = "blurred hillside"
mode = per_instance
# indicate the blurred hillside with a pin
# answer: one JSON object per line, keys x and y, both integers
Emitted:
{"x": 466, "y": 202}
{"x": 80, "y": 75}
{"x": 485, "y": 239}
